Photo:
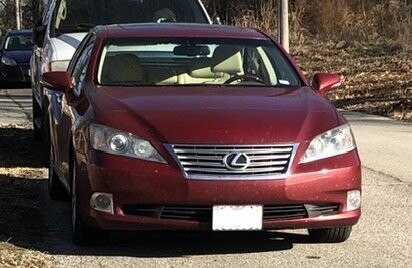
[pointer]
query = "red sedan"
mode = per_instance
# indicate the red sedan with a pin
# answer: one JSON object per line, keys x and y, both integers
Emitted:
{"x": 198, "y": 127}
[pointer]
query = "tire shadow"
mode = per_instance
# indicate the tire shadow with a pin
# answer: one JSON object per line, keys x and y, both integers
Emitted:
{"x": 18, "y": 149}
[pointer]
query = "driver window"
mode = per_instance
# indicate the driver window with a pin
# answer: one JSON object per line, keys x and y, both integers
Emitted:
{"x": 257, "y": 63}
{"x": 80, "y": 70}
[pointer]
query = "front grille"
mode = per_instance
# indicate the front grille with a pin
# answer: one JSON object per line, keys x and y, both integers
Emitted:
{"x": 208, "y": 161}
{"x": 204, "y": 213}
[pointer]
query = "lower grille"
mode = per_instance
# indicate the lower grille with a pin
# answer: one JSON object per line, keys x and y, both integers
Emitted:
{"x": 204, "y": 213}
{"x": 284, "y": 212}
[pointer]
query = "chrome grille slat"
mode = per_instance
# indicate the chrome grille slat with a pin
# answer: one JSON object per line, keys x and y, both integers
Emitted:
{"x": 264, "y": 164}
{"x": 226, "y": 171}
{"x": 224, "y": 151}
{"x": 204, "y": 164}
{"x": 199, "y": 157}
{"x": 271, "y": 157}
{"x": 207, "y": 161}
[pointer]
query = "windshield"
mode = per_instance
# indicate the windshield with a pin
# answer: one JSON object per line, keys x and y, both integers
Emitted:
{"x": 81, "y": 15}
{"x": 19, "y": 42}
{"x": 195, "y": 62}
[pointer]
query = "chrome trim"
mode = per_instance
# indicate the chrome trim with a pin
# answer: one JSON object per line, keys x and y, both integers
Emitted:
{"x": 215, "y": 168}
{"x": 234, "y": 164}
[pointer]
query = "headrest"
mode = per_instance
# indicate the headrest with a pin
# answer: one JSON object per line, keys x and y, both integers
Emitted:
{"x": 15, "y": 42}
{"x": 164, "y": 15}
{"x": 124, "y": 68}
{"x": 227, "y": 59}
{"x": 202, "y": 68}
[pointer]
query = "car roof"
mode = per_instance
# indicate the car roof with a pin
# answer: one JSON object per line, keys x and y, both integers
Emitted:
{"x": 160, "y": 30}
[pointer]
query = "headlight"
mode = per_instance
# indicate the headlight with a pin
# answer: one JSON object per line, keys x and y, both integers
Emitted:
{"x": 331, "y": 143}
{"x": 117, "y": 142}
{"x": 8, "y": 61}
{"x": 56, "y": 66}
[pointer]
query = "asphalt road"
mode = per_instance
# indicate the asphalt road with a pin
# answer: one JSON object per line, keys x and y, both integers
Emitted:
{"x": 383, "y": 237}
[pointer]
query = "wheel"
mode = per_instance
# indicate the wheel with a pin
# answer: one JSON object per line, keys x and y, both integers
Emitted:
{"x": 83, "y": 235}
{"x": 244, "y": 77}
{"x": 36, "y": 116}
{"x": 330, "y": 235}
{"x": 56, "y": 188}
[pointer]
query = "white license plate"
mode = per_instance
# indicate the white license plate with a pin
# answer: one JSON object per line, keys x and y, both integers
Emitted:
{"x": 237, "y": 218}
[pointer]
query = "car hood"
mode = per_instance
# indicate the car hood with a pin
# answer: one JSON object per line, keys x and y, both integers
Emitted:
{"x": 215, "y": 115}
{"x": 65, "y": 45}
{"x": 21, "y": 56}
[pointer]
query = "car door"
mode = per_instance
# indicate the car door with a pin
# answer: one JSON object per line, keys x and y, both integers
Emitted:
{"x": 64, "y": 115}
{"x": 37, "y": 66}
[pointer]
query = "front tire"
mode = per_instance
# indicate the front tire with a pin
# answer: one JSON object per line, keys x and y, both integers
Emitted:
{"x": 83, "y": 235}
{"x": 330, "y": 235}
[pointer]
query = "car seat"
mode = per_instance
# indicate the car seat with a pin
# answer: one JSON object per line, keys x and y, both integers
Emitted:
{"x": 227, "y": 61}
{"x": 123, "y": 69}
{"x": 164, "y": 15}
{"x": 15, "y": 43}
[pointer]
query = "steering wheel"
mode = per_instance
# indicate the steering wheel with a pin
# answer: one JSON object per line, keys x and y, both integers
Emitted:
{"x": 244, "y": 77}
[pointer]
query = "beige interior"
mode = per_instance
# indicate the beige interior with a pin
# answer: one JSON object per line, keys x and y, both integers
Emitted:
{"x": 225, "y": 62}
{"x": 228, "y": 60}
{"x": 162, "y": 76}
{"x": 122, "y": 68}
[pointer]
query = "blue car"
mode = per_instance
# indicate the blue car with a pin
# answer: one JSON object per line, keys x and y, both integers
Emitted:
{"x": 15, "y": 54}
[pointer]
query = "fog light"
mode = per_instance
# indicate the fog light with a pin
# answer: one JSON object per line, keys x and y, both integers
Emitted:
{"x": 354, "y": 200}
{"x": 102, "y": 202}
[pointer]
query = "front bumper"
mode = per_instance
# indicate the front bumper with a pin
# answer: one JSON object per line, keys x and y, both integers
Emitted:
{"x": 139, "y": 186}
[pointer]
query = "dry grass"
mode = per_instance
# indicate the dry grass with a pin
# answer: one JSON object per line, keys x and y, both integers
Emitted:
{"x": 22, "y": 226}
{"x": 327, "y": 20}
{"x": 374, "y": 52}
{"x": 12, "y": 256}
{"x": 377, "y": 77}
{"x": 21, "y": 223}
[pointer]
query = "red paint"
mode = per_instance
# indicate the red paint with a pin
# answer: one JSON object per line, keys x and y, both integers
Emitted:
{"x": 201, "y": 115}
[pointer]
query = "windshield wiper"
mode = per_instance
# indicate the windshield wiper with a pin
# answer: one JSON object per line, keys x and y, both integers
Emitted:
{"x": 85, "y": 25}
{"x": 75, "y": 28}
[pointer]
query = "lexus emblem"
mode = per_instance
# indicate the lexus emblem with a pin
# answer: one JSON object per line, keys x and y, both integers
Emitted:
{"x": 236, "y": 161}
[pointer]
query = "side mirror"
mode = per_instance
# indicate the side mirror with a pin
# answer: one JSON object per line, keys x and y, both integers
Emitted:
{"x": 39, "y": 31}
{"x": 323, "y": 82}
{"x": 59, "y": 81}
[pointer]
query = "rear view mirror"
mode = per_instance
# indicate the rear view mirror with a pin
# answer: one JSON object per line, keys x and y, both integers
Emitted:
{"x": 59, "y": 81}
{"x": 323, "y": 82}
{"x": 191, "y": 51}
